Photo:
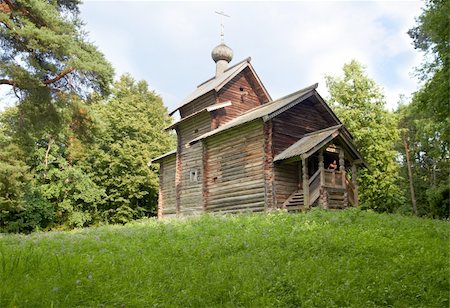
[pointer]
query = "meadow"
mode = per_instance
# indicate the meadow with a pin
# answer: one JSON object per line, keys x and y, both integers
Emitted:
{"x": 348, "y": 258}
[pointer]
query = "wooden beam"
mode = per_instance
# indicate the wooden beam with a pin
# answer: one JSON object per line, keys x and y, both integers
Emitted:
{"x": 160, "y": 191}
{"x": 305, "y": 181}
{"x": 355, "y": 183}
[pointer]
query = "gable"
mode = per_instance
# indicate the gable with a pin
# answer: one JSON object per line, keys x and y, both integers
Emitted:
{"x": 215, "y": 84}
{"x": 265, "y": 112}
{"x": 303, "y": 118}
{"x": 242, "y": 95}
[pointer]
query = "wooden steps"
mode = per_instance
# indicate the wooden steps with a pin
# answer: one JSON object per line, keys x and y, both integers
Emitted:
{"x": 295, "y": 202}
{"x": 337, "y": 198}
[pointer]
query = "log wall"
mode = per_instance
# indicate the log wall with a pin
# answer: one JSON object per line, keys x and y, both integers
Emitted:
{"x": 242, "y": 96}
{"x": 198, "y": 104}
{"x": 286, "y": 181}
{"x": 292, "y": 124}
{"x": 167, "y": 197}
{"x": 235, "y": 177}
{"x": 190, "y": 160}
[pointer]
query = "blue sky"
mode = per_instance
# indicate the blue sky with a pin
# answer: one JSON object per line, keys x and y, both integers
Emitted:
{"x": 292, "y": 44}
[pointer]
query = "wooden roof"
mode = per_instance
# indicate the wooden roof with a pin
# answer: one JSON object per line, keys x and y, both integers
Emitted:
{"x": 313, "y": 142}
{"x": 217, "y": 83}
{"x": 266, "y": 111}
{"x": 170, "y": 153}
{"x": 309, "y": 142}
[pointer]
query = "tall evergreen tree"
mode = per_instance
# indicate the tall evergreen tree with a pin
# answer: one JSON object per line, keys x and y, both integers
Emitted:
{"x": 45, "y": 52}
{"x": 359, "y": 103}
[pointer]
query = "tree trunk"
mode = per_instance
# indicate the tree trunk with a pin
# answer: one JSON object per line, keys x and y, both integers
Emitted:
{"x": 411, "y": 186}
{"x": 50, "y": 142}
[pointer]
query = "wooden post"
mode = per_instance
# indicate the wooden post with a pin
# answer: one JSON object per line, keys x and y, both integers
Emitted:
{"x": 160, "y": 192}
{"x": 205, "y": 176}
{"x": 355, "y": 183}
{"x": 321, "y": 168}
{"x": 178, "y": 174}
{"x": 322, "y": 200}
{"x": 305, "y": 181}
{"x": 300, "y": 175}
{"x": 342, "y": 165}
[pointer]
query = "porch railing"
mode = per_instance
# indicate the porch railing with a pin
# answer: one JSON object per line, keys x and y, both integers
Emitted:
{"x": 333, "y": 178}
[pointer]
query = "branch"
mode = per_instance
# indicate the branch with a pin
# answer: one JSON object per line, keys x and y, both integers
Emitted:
{"x": 45, "y": 82}
{"x": 60, "y": 75}
{"x": 7, "y": 81}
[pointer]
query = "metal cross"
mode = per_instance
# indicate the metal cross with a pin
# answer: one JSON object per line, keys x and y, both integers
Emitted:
{"x": 222, "y": 14}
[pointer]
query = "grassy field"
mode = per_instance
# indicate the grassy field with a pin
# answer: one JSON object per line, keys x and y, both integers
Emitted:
{"x": 318, "y": 259}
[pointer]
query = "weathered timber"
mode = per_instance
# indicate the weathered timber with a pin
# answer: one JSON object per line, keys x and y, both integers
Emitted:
{"x": 167, "y": 203}
{"x": 242, "y": 95}
{"x": 305, "y": 181}
{"x": 245, "y": 172}
{"x": 198, "y": 104}
{"x": 268, "y": 166}
{"x": 286, "y": 181}
{"x": 292, "y": 124}
{"x": 190, "y": 191}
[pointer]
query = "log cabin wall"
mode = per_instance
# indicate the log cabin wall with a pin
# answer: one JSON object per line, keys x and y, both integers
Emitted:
{"x": 291, "y": 125}
{"x": 268, "y": 166}
{"x": 286, "y": 181}
{"x": 235, "y": 163}
{"x": 198, "y": 104}
{"x": 240, "y": 91}
{"x": 190, "y": 163}
{"x": 167, "y": 204}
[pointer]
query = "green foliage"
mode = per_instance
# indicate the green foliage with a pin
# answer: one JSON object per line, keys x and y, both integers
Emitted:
{"x": 429, "y": 158}
{"x": 425, "y": 121}
{"x": 347, "y": 258}
{"x": 133, "y": 121}
{"x": 359, "y": 103}
{"x": 45, "y": 52}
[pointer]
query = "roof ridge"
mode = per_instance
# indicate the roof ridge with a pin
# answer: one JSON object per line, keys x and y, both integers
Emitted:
{"x": 248, "y": 59}
{"x": 311, "y": 87}
{"x": 323, "y": 130}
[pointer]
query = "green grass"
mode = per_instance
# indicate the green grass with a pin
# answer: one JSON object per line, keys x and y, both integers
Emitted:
{"x": 318, "y": 259}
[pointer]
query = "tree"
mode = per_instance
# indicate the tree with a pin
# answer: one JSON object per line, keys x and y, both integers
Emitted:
{"x": 133, "y": 121}
{"x": 359, "y": 103}
{"x": 425, "y": 120}
{"x": 45, "y": 54}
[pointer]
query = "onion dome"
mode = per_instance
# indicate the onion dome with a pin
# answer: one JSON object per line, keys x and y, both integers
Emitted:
{"x": 222, "y": 52}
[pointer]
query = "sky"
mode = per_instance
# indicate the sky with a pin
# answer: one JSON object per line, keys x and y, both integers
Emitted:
{"x": 292, "y": 44}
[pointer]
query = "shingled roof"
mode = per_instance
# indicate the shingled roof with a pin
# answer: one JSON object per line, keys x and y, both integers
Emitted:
{"x": 309, "y": 142}
{"x": 217, "y": 83}
{"x": 266, "y": 111}
{"x": 312, "y": 142}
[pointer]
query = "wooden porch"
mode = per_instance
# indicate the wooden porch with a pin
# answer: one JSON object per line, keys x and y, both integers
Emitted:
{"x": 325, "y": 164}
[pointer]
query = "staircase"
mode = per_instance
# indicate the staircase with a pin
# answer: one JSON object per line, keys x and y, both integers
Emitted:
{"x": 295, "y": 202}
{"x": 336, "y": 198}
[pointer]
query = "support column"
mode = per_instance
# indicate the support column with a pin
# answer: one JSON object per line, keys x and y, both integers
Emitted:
{"x": 205, "y": 165}
{"x": 355, "y": 183}
{"x": 160, "y": 191}
{"x": 305, "y": 181}
{"x": 322, "y": 200}
{"x": 342, "y": 166}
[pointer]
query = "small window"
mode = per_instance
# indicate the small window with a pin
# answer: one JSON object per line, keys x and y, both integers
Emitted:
{"x": 241, "y": 89}
{"x": 193, "y": 175}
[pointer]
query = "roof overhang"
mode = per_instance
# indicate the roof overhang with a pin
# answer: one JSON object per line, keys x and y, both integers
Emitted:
{"x": 165, "y": 155}
{"x": 313, "y": 142}
{"x": 264, "y": 112}
{"x": 207, "y": 109}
